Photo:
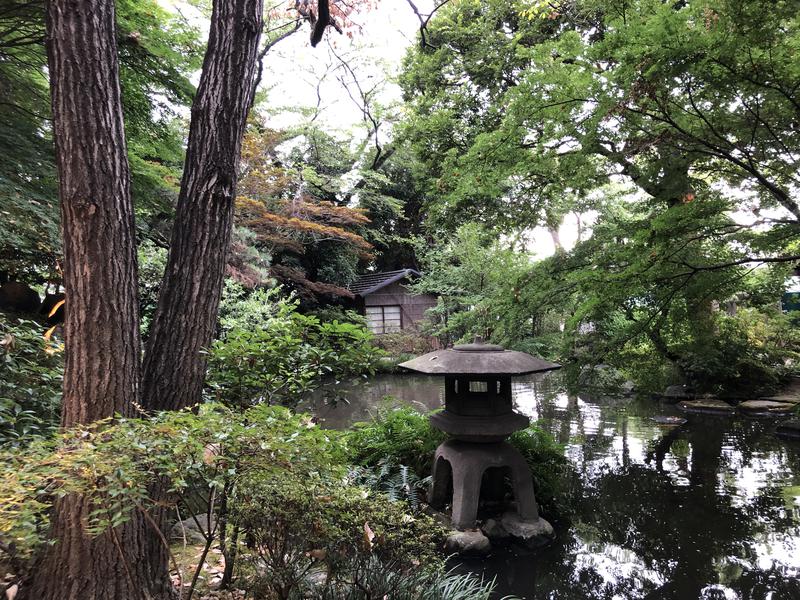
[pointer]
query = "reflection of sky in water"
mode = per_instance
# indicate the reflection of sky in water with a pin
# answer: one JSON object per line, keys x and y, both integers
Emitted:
{"x": 605, "y": 439}
{"x": 616, "y": 564}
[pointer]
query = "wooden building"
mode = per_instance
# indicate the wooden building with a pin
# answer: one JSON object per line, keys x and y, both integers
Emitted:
{"x": 387, "y": 303}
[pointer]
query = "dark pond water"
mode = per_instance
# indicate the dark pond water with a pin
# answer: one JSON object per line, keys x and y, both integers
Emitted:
{"x": 707, "y": 510}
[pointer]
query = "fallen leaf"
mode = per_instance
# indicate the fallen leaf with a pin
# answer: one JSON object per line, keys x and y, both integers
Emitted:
{"x": 369, "y": 535}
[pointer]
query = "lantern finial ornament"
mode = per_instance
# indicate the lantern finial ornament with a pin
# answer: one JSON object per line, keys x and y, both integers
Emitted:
{"x": 478, "y": 417}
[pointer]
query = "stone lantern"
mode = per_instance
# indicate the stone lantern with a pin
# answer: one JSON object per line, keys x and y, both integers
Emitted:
{"x": 478, "y": 417}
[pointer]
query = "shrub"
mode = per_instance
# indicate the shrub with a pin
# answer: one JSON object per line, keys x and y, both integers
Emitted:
{"x": 406, "y": 343}
{"x": 203, "y": 459}
{"x": 282, "y": 354}
{"x": 401, "y": 436}
{"x": 750, "y": 355}
{"x": 31, "y": 372}
{"x": 276, "y": 484}
{"x": 295, "y": 528}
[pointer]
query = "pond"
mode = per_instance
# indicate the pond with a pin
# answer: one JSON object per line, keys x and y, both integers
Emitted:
{"x": 710, "y": 509}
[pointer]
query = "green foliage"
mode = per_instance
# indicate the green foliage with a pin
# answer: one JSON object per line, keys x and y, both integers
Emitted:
{"x": 749, "y": 355}
{"x": 158, "y": 52}
{"x": 405, "y": 344}
{"x": 402, "y": 436}
{"x": 475, "y": 277}
{"x": 31, "y": 370}
{"x": 364, "y": 580}
{"x": 281, "y": 354}
{"x": 548, "y": 466}
{"x": 152, "y": 262}
{"x": 397, "y": 482}
{"x": 276, "y": 482}
{"x": 295, "y": 526}
{"x": 114, "y": 466}
{"x": 653, "y": 116}
{"x": 241, "y": 308}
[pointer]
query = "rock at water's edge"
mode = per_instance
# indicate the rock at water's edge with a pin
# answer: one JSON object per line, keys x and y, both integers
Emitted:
{"x": 669, "y": 421}
{"x": 472, "y": 543}
{"x": 531, "y": 533}
{"x": 765, "y": 407}
{"x": 709, "y": 406}
{"x": 675, "y": 393}
{"x": 495, "y": 531}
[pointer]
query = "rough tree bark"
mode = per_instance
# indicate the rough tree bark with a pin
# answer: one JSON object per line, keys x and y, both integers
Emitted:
{"x": 174, "y": 367}
{"x": 101, "y": 329}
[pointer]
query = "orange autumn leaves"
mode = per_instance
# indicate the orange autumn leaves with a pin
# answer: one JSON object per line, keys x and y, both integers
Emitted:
{"x": 300, "y": 222}
{"x": 290, "y": 210}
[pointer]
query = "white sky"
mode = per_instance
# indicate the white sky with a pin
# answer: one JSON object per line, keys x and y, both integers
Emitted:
{"x": 293, "y": 68}
{"x": 376, "y": 49}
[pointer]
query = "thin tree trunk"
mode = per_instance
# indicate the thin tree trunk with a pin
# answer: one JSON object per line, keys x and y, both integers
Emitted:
{"x": 101, "y": 329}
{"x": 174, "y": 366}
{"x": 556, "y": 237}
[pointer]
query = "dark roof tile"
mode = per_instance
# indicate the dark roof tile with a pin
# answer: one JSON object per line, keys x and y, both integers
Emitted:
{"x": 372, "y": 282}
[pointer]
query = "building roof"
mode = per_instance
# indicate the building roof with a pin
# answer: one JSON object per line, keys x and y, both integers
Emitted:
{"x": 372, "y": 282}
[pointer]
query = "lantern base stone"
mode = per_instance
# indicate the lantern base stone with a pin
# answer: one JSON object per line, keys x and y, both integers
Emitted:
{"x": 462, "y": 464}
{"x": 531, "y": 533}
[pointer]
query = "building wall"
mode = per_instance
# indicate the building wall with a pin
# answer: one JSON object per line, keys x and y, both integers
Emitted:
{"x": 412, "y": 307}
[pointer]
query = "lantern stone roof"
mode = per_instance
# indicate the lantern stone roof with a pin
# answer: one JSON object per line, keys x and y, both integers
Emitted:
{"x": 478, "y": 359}
{"x": 372, "y": 282}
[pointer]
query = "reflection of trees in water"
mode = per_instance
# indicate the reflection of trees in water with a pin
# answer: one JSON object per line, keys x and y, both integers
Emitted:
{"x": 677, "y": 534}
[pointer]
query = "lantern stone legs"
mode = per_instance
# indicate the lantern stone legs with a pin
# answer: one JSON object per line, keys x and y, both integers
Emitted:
{"x": 463, "y": 464}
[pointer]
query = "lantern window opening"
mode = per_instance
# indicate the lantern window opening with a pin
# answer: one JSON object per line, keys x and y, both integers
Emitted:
{"x": 478, "y": 387}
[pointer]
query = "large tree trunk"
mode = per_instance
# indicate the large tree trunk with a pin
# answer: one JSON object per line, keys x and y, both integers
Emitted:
{"x": 126, "y": 562}
{"x": 101, "y": 329}
{"x": 184, "y": 322}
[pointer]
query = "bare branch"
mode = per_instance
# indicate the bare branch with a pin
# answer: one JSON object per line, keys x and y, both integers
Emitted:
{"x": 424, "y": 20}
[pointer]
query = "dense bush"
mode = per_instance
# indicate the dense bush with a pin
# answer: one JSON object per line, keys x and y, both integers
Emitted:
{"x": 296, "y": 528}
{"x": 31, "y": 371}
{"x": 284, "y": 513}
{"x": 204, "y": 459}
{"x": 406, "y": 343}
{"x": 751, "y": 354}
{"x": 269, "y": 353}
